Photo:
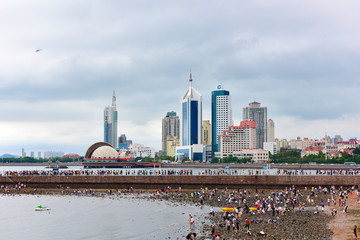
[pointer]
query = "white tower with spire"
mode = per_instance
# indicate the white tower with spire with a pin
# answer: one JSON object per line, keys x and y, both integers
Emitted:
{"x": 191, "y": 117}
{"x": 110, "y": 123}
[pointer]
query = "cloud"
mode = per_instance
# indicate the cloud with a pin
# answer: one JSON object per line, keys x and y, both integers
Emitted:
{"x": 300, "y": 59}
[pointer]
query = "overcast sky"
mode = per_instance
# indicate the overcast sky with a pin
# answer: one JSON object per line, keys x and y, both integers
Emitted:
{"x": 301, "y": 59}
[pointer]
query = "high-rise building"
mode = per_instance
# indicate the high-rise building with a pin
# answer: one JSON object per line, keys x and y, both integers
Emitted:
{"x": 110, "y": 123}
{"x": 39, "y": 155}
{"x": 32, "y": 154}
{"x": 270, "y": 131}
{"x": 237, "y": 138}
{"x": 221, "y": 114}
{"x": 190, "y": 127}
{"x": 206, "y": 132}
{"x": 123, "y": 142}
{"x": 171, "y": 143}
{"x": 191, "y": 117}
{"x": 255, "y": 112}
{"x": 23, "y": 153}
{"x": 170, "y": 127}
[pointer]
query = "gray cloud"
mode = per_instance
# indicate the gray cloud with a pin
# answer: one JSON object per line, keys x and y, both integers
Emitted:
{"x": 298, "y": 58}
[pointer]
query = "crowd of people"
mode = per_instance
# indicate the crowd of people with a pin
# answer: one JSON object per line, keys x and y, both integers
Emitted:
{"x": 249, "y": 212}
{"x": 172, "y": 172}
{"x": 253, "y": 208}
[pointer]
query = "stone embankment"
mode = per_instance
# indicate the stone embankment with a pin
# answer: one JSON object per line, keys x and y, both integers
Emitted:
{"x": 180, "y": 181}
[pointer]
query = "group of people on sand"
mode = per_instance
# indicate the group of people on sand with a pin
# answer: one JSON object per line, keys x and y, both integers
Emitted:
{"x": 251, "y": 208}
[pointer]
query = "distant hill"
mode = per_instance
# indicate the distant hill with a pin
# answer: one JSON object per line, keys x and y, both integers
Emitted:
{"x": 9, "y": 156}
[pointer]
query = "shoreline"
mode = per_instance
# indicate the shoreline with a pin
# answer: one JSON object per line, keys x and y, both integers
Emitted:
{"x": 315, "y": 226}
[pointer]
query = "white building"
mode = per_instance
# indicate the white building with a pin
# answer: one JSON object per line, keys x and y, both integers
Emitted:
{"x": 271, "y": 147}
{"x": 110, "y": 123}
{"x": 53, "y": 154}
{"x": 256, "y": 155}
{"x": 140, "y": 151}
{"x": 194, "y": 152}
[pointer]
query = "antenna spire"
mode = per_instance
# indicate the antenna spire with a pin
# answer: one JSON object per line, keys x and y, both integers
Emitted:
{"x": 190, "y": 79}
{"x": 114, "y": 99}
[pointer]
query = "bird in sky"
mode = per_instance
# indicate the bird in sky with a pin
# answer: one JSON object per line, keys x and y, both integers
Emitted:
{"x": 38, "y": 50}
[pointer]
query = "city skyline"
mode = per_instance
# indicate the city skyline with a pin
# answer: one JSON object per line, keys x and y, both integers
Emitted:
{"x": 299, "y": 60}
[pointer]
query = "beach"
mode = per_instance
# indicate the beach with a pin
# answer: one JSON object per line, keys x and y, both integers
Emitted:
{"x": 305, "y": 219}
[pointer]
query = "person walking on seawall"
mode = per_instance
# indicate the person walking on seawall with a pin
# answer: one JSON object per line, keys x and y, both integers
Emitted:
{"x": 355, "y": 231}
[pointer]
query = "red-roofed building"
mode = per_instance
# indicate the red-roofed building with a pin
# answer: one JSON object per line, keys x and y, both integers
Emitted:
{"x": 333, "y": 154}
{"x": 237, "y": 138}
{"x": 311, "y": 151}
{"x": 348, "y": 151}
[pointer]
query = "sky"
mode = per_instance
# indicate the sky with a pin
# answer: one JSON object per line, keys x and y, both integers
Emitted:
{"x": 300, "y": 59}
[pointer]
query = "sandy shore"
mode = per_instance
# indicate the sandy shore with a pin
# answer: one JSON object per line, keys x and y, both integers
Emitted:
{"x": 343, "y": 223}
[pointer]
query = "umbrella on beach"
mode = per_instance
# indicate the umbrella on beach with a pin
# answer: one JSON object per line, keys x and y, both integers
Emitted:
{"x": 265, "y": 168}
{"x": 227, "y": 167}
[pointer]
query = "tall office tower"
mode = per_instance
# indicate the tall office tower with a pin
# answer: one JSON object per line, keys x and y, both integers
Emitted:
{"x": 206, "y": 132}
{"x": 270, "y": 131}
{"x": 23, "y": 153}
{"x": 255, "y": 112}
{"x": 32, "y": 154}
{"x": 191, "y": 117}
{"x": 110, "y": 123}
{"x": 221, "y": 114}
{"x": 39, "y": 155}
{"x": 170, "y": 128}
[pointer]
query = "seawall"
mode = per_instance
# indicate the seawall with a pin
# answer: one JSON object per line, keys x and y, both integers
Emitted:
{"x": 182, "y": 181}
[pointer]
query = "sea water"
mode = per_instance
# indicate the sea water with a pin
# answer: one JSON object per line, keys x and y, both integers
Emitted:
{"x": 82, "y": 217}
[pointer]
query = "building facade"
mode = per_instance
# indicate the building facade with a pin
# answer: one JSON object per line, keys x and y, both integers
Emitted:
{"x": 237, "y": 138}
{"x": 190, "y": 126}
{"x": 171, "y": 143}
{"x": 271, "y": 147}
{"x": 123, "y": 142}
{"x": 170, "y": 128}
{"x": 53, "y": 154}
{"x": 110, "y": 123}
{"x": 191, "y": 117}
{"x": 206, "y": 132}
{"x": 221, "y": 114}
{"x": 139, "y": 150}
{"x": 270, "y": 131}
{"x": 256, "y": 155}
{"x": 255, "y": 112}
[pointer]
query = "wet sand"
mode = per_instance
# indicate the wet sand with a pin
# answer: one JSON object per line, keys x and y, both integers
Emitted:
{"x": 343, "y": 224}
{"x": 293, "y": 225}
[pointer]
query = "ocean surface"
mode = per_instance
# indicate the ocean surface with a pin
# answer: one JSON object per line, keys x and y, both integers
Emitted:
{"x": 82, "y": 217}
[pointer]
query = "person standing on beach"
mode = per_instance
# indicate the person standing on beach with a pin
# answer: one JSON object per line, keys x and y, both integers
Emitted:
{"x": 192, "y": 223}
{"x": 355, "y": 231}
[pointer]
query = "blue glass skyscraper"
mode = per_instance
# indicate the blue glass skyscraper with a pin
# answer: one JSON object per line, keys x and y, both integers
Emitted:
{"x": 191, "y": 117}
